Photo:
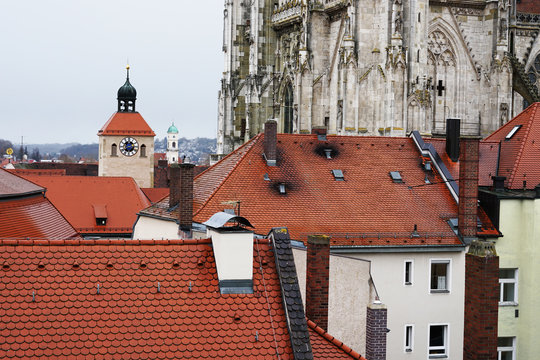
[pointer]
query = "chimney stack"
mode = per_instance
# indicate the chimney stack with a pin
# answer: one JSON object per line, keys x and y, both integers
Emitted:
{"x": 181, "y": 194}
{"x": 498, "y": 183}
{"x": 481, "y": 301}
{"x": 233, "y": 252}
{"x": 317, "y": 279}
{"x": 270, "y": 142}
{"x": 376, "y": 331}
{"x": 452, "y": 138}
{"x": 468, "y": 189}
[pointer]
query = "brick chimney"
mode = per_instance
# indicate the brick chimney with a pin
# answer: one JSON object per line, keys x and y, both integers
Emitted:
{"x": 481, "y": 301}
{"x": 270, "y": 142}
{"x": 317, "y": 279}
{"x": 376, "y": 331}
{"x": 468, "y": 188}
{"x": 181, "y": 194}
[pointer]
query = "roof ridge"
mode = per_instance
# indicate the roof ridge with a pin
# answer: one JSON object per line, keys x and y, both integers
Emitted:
{"x": 529, "y": 108}
{"x": 252, "y": 142}
{"x": 333, "y": 340}
{"x": 78, "y": 242}
{"x": 522, "y": 144}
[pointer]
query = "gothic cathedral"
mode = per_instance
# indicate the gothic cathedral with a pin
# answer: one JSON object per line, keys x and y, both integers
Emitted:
{"x": 367, "y": 67}
{"x": 126, "y": 142}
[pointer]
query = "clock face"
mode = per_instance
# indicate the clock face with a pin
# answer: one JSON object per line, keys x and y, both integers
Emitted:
{"x": 129, "y": 146}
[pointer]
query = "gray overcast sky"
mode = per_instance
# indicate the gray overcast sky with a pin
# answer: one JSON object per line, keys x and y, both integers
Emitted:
{"x": 62, "y": 62}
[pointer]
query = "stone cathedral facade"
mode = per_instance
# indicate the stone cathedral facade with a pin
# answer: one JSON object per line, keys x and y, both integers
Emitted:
{"x": 366, "y": 67}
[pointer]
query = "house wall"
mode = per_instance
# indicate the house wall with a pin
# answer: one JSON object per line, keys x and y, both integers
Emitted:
{"x": 150, "y": 228}
{"x": 349, "y": 295}
{"x": 518, "y": 249}
{"x": 414, "y": 304}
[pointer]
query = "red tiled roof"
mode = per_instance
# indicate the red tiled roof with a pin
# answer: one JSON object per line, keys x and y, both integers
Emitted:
{"x": 159, "y": 156}
{"x": 519, "y": 155}
{"x": 76, "y": 196}
{"x": 488, "y": 157}
{"x": 325, "y": 346}
{"x": 126, "y": 123}
{"x": 13, "y": 185}
{"x": 155, "y": 194}
{"x": 157, "y": 299}
{"x": 33, "y": 217}
{"x": 366, "y": 209}
{"x": 529, "y": 6}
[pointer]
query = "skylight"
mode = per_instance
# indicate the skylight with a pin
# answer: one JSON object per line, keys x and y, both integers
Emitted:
{"x": 512, "y": 132}
{"x": 282, "y": 188}
{"x": 396, "y": 176}
{"x": 338, "y": 175}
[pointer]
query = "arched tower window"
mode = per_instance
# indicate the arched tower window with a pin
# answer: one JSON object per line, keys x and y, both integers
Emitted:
{"x": 174, "y": 144}
{"x": 143, "y": 150}
{"x": 114, "y": 149}
{"x": 288, "y": 110}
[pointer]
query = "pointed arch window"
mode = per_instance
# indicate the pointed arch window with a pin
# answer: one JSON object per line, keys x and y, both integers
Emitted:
{"x": 534, "y": 72}
{"x": 143, "y": 150}
{"x": 288, "y": 110}
{"x": 114, "y": 150}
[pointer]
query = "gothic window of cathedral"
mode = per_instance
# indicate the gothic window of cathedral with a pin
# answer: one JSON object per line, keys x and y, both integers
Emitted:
{"x": 288, "y": 110}
{"x": 534, "y": 72}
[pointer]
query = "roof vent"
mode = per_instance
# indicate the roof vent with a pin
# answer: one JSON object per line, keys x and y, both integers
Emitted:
{"x": 512, "y": 132}
{"x": 266, "y": 177}
{"x": 338, "y": 175}
{"x": 427, "y": 166}
{"x": 396, "y": 177}
{"x": 415, "y": 233}
{"x": 328, "y": 153}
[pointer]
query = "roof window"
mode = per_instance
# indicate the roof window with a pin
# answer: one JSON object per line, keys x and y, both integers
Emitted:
{"x": 512, "y": 132}
{"x": 282, "y": 189}
{"x": 396, "y": 177}
{"x": 338, "y": 175}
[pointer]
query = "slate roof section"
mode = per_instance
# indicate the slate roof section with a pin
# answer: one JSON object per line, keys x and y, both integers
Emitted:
{"x": 157, "y": 299}
{"x": 76, "y": 197}
{"x": 126, "y": 124}
{"x": 325, "y": 346}
{"x": 290, "y": 290}
{"x": 519, "y": 154}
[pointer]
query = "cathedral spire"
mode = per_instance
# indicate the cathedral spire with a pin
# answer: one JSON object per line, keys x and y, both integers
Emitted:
{"x": 127, "y": 95}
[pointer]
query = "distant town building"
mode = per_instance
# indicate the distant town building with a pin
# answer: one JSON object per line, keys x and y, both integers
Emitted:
{"x": 172, "y": 144}
{"x": 126, "y": 142}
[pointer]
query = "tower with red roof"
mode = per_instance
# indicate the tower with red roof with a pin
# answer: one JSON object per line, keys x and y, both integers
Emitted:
{"x": 126, "y": 142}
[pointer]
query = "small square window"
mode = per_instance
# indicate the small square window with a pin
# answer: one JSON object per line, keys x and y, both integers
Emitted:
{"x": 508, "y": 281}
{"x": 408, "y": 272}
{"x": 506, "y": 349}
{"x": 438, "y": 341}
{"x": 439, "y": 277}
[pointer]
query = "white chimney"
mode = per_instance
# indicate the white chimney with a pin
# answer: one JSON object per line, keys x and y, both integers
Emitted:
{"x": 233, "y": 251}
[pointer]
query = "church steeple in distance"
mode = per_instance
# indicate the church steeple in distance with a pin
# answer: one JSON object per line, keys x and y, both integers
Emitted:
{"x": 127, "y": 95}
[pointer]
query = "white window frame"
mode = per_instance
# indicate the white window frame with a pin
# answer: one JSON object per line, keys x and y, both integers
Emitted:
{"x": 411, "y": 272}
{"x": 445, "y": 347}
{"x": 507, "y": 348}
{"x": 408, "y": 348}
{"x": 448, "y": 263}
{"x": 509, "y": 281}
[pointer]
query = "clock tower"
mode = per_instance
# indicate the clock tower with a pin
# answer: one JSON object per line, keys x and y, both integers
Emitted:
{"x": 126, "y": 142}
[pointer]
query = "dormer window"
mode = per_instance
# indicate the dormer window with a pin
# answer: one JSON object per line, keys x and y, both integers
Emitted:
{"x": 282, "y": 189}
